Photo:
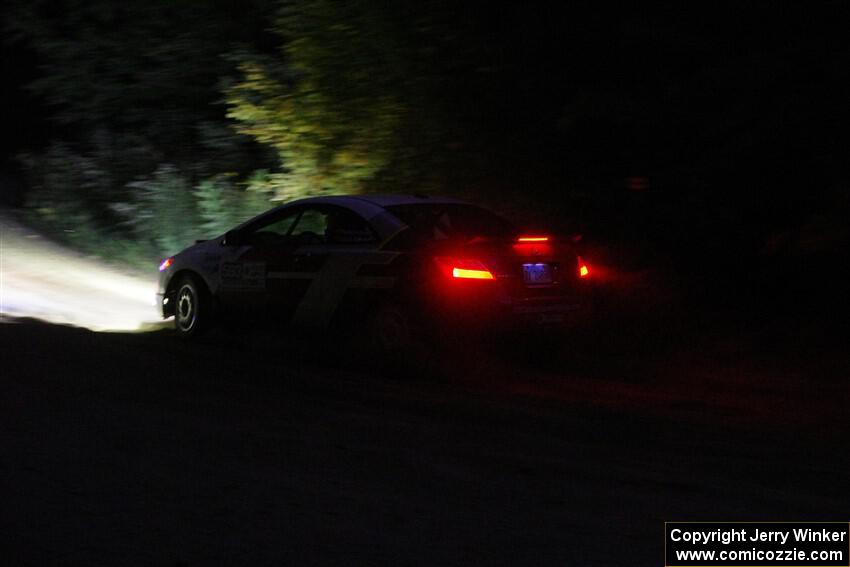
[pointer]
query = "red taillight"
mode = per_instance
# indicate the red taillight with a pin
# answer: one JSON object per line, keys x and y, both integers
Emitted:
{"x": 583, "y": 270}
{"x": 464, "y": 273}
{"x": 533, "y": 239}
{"x": 464, "y": 269}
{"x": 165, "y": 264}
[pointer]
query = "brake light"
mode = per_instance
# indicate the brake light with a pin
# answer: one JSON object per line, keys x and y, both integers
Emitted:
{"x": 583, "y": 270}
{"x": 464, "y": 273}
{"x": 465, "y": 269}
{"x": 533, "y": 239}
{"x": 166, "y": 264}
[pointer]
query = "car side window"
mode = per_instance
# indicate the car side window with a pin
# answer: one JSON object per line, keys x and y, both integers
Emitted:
{"x": 273, "y": 230}
{"x": 311, "y": 225}
{"x": 280, "y": 227}
{"x": 347, "y": 227}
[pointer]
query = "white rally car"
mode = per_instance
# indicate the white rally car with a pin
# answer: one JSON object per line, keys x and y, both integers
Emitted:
{"x": 382, "y": 265}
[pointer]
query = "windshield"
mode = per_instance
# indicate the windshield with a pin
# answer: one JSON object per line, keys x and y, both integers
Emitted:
{"x": 450, "y": 221}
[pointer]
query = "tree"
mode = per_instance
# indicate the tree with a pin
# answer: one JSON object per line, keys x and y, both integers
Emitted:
{"x": 134, "y": 95}
{"x": 362, "y": 95}
{"x": 142, "y": 78}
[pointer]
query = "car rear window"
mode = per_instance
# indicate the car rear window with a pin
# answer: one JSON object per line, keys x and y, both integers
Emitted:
{"x": 433, "y": 221}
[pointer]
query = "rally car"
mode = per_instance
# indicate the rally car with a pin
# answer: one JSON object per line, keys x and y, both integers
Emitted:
{"x": 380, "y": 267}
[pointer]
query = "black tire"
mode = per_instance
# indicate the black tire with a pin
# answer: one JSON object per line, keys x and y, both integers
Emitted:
{"x": 192, "y": 309}
{"x": 390, "y": 331}
{"x": 396, "y": 342}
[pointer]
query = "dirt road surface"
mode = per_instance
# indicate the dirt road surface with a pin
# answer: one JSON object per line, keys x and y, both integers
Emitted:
{"x": 134, "y": 449}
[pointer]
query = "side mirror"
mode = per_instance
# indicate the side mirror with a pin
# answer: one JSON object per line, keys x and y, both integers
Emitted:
{"x": 232, "y": 238}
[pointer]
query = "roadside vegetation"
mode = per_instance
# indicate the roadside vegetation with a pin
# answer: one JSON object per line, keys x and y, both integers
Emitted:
{"x": 165, "y": 131}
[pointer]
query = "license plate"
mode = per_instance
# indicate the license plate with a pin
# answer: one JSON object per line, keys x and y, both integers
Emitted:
{"x": 535, "y": 274}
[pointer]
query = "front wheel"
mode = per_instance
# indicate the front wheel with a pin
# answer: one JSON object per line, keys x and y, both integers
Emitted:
{"x": 193, "y": 310}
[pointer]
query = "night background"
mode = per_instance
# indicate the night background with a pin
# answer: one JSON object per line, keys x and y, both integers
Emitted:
{"x": 701, "y": 150}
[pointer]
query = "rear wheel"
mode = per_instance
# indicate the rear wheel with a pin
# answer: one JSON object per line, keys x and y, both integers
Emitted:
{"x": 193, "y": 308}
{"x": 396, "y": 342}
{"x": 390, "y": 330}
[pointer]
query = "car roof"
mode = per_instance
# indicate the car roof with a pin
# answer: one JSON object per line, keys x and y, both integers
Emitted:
{"x": 371, "y": 205}
{"x": 391, "y": 200}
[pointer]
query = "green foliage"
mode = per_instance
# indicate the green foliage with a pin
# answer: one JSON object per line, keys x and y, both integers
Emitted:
{"x": 360, "y": 97}
{"x": 223, "y": 205}
{"x": 135, "y": 91}
{"x": 151, "y": 67}
{"x": 165, "y": 211}
{"x": 70, "y": 198}
{"x": 135, "y": 85}
{"x": 329, "y": 113}
{"x": 164, "y": 214}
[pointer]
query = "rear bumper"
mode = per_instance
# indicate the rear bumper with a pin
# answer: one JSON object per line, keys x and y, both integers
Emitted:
{"x": 558, "y": 312}
{"x": 504, "y": 313}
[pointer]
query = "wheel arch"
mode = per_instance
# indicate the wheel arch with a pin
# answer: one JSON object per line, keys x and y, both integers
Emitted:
{"x": 171, "y": 289}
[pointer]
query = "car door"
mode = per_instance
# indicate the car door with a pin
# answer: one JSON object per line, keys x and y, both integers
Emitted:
{"x": 338, "y": 263}
{"x": 293, "y": 268}
{"x": 297, "y": 267}
{"x": 253, "y": 254}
